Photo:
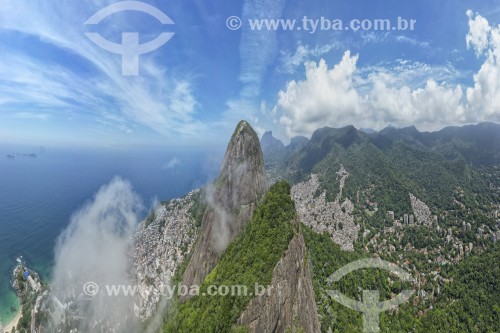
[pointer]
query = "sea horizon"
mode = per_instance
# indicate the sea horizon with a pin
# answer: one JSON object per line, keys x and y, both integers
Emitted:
{"x": 40, "y": 194}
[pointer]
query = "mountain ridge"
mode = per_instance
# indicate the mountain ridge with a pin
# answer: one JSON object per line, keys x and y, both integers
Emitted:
{"x": 240, "y": 186}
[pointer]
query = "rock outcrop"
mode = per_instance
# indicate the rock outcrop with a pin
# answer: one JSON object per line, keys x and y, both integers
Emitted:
{"x": 241, "y": 184}
{"x": 296, "y": 144}
{"x": 289, "y": 306}
{"x": 274, "y": 150}
{"x": 270, "y": 145}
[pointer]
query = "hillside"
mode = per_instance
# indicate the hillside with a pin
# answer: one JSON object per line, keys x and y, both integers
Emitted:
{"x": 250, "y": 260}
{"x": 419, "y": 200}
{"x": 415, "y": 199}
{"x": 428, "y": 202}
{"x": 256, "y": 260}
{"x": 385, "y": 166}
{"x": 467, "y": 299}
{"x": 230, "y": 203}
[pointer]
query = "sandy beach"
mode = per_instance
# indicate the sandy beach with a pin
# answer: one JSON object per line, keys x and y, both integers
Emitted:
{"x": 13, "y": 323}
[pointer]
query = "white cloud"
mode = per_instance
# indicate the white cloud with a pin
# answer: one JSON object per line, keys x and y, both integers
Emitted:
{"x": 174, "y": 162}
{"x": 403, "y": 72}
{"x": 258, "y": 49}
{"x": 411, "y": 41}
{"x": 31, "y": 115}
{"x": 290, "y": 62}
{"x": 94, "y": 247}
{"x": 157, "y": 99}
{"x": 324, "y": 97}
{"x": 374, "y": 97}
{"x": 478, "y": 34}
{"x": 429, "y": 107}
{"x": 484, "y": 97}
{"x": 330, "y": 97}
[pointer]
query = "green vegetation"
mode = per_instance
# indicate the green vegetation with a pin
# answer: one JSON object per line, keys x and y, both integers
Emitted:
{"x": 27, "y": 298}
{"x": 198, "y": 208}
{"x": 394, "y": 173}
{"x": 25, "y": 321}
{"x": 150, "y": 218}
{"x": 421, "y": 237}
{"x": 458, "y": 294}
{"x": 326, "y": 257}
{"x": 470, "y": 302}
{"x": 248, "y": 260}
{"x": 385, "y": 167}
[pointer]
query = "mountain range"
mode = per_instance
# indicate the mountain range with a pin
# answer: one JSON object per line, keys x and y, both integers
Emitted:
{"x": 427, "y": 202}
{"x": 280, "y": 220}
{"x": 476, "y": 144}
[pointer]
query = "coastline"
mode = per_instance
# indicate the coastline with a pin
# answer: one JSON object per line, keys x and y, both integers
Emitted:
{"x": 24, "y": 281}
{"x": 13, "y": 323}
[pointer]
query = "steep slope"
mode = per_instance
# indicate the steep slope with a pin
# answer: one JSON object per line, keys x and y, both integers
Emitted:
{"x": 268, "y": 260}
{"x": 270, "y": 145}
{"x": 479, "y": 144}
{"x": 296, "y": 144}
{"x": 274, "y": 150}
{"x": 424, "y": 201}
{"x": 321, "y": 144}
{"x": 161, "y": 243}
{"x": 240, "y": 186}
{"x": 384, "y": 168}
{"x": 291, "y": 306}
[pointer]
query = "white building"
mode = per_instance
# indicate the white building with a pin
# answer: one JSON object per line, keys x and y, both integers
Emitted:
{"x": 33, "y": 284}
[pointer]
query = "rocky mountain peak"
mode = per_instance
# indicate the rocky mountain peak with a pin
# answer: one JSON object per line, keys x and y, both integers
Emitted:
{"x": 231, "y": 201}
{"x": 242, "y": 177}
{"x": 271, "y": 145}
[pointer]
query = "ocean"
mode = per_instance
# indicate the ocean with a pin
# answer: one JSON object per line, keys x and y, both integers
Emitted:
{"x": 39, "y": 194}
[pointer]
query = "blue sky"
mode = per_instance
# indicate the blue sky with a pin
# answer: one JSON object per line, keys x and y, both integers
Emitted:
{"x": 58, "y": 87}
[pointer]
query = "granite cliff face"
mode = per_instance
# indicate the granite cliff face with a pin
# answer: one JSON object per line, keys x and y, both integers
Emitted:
{"x": 270, "y": 145}
{"x": 231, "y": 202}
{"x": 274, "y": 150}
{"x": 290, "y": 304}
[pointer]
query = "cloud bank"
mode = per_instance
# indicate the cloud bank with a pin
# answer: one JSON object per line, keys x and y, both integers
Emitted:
{"x": 340, "y": 96}
{"x": 74, "y": 78}
{"x": 172, "y": 163}
{"x": 483, "y": 99}
{"x": 94, "y": 248}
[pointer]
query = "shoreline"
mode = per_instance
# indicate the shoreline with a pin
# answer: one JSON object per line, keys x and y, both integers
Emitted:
{"x": 13, "y": 323}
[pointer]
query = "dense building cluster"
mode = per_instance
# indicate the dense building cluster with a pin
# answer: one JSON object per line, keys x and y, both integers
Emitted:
{"x": 422, "y": 212}
{"x": 335, "y": 218}
{"x": 159, "y": 249}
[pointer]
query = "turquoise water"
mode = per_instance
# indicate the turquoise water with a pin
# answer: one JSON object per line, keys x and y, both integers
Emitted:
{"x": 38, "y": 195}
